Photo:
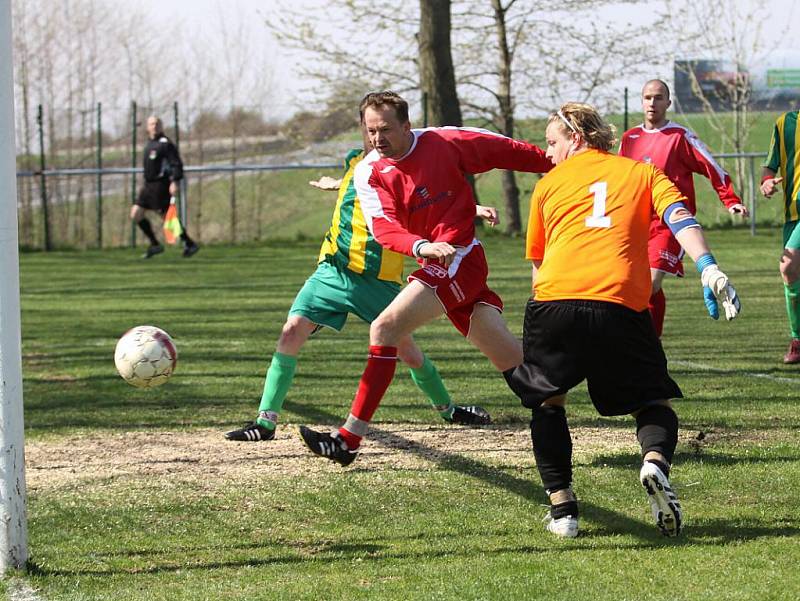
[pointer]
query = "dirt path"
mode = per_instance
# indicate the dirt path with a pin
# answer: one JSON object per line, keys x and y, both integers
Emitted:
{"x": 205, "y": 455}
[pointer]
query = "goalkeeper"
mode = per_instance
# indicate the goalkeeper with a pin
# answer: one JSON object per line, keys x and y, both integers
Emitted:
{"x": 354, "y": 275}
{"x": 587, "y": 239}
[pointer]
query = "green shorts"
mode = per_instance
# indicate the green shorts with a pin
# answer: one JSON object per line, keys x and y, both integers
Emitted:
{"x": 791, "y": 235}
{"x": 331, "y": 293}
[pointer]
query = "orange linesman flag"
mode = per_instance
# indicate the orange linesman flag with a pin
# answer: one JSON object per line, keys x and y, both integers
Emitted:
{"x": 172, "y": 225}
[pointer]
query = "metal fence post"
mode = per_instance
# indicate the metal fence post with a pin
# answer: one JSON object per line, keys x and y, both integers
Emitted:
{"x": 133, "y": 166}
{"x": 48, "y": 244}
{"x": 182, "y": 185}
{"x": 625, "y": 118}
{"x": 99, "y": 175}
{"x": 753, "y": 196}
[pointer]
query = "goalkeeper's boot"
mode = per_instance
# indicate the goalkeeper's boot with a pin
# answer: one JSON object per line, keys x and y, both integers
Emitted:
{"x": 252, "y": 432}
{"x": 566, "y": 527}
{"x": 663, "y": 501}
{"x": 470, "y": 415}
{"x": 793, "y": 354}
{"x": 329, "y": 445}
{"x": 190, "y": 249}
{"x": 153, "y": 250}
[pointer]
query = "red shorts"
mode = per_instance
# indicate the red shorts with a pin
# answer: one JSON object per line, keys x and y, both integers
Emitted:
{"x": 461, "y": 286}
{"x": 664, "y": 251}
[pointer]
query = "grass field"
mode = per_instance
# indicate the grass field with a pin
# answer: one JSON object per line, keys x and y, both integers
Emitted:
{"x": 135, "y": 495}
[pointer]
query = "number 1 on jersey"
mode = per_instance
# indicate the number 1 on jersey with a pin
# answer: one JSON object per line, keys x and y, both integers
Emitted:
{"x": 599, "y": 217}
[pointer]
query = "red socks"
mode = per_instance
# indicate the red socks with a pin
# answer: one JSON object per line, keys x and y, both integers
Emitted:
{"x": 658, "y": 307}
{"x": 381, "y": 364}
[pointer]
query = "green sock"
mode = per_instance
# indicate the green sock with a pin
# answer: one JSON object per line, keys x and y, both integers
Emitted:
{"x": 279, "y": 378}
{"x": 792, "y": 293}
{"x": 429, "y": 382}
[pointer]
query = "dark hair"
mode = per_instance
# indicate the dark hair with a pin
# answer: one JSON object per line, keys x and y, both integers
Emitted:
{"x": 658, "y": 81}
{"x": 385, "y": 98}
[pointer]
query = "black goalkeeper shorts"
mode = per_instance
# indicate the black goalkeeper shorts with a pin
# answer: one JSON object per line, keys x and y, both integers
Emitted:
{"x": 613, "y": 347}
{"x": 155, "y": 196}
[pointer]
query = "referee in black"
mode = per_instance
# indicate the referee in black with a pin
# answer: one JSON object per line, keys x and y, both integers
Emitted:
{"x": 163, "y": 169}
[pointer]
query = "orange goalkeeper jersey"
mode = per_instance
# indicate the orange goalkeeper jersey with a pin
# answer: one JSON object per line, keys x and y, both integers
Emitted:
{"x": 589, "y": 224}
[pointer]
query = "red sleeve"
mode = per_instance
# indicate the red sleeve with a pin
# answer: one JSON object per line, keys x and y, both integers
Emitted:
{"x": 699, "y": 160}
{"x": 480, "y": 150}
{"x": 380, "y": 212}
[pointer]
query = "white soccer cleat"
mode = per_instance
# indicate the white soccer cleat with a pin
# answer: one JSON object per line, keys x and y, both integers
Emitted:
{"x": 566, "y": 527}
{"x": 663, "y": 501}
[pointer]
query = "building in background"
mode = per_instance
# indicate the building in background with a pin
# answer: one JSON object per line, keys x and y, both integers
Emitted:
{"x": 772, "y": 83}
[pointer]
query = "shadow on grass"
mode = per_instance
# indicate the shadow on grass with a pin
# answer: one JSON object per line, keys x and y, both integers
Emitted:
{"x": 711, "y": 533}
{"x": 705, "y": 457}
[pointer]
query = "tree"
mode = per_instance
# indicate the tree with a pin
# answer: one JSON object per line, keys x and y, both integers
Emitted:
{"x": 737, "y": 42}
{"x": 436, "y": 72}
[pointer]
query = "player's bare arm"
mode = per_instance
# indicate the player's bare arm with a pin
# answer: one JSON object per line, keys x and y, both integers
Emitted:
{"x": 488, "y": 214}
{"x": 440, "y": 251}
{"x": 326, "y": 182}
{"x": 688, "y": 232}
{"x": 769, "y": 183}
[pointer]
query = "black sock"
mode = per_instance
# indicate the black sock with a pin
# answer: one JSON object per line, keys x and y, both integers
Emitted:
{"x": 657, "y": 430}
{"x": 552, "y": 446}
{"x": 562, "y": 510}
{"x": 187, "y": 241}
{"x": 144, "y": 225}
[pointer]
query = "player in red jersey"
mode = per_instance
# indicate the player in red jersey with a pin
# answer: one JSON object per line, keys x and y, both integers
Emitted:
{"x": 417, "y": 201}
{"x": 678, "y": 152}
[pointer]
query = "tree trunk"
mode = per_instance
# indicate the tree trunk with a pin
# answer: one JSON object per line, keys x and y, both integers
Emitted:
{"x": 437, "y": 75}
{"x": 509, "y": 179}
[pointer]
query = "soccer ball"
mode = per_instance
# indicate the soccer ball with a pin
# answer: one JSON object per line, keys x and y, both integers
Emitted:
{"x": 145, "y": 356}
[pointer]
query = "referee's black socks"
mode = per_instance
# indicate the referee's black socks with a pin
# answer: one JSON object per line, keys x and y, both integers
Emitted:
{"x": 144, "y": 225}
{"x": 657, "y": 431}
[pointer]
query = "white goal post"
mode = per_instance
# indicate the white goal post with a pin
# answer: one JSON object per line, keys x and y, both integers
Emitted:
{"x": 13, "y": 520}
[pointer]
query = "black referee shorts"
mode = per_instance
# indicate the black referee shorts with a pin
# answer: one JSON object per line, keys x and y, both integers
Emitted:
{"x": 154, "y": 196}
{"x": 611, "y": 346}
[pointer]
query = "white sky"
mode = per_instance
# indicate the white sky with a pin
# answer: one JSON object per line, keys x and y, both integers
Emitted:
{"x": 203, "y": 16}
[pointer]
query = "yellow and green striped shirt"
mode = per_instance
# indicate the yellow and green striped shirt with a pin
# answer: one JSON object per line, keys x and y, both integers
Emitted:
{"x": 784, "y": 157}
{"x": 348, "y": 243}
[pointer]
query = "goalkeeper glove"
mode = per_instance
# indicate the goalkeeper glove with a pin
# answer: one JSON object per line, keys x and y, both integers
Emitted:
{"x": 717, "y": 289}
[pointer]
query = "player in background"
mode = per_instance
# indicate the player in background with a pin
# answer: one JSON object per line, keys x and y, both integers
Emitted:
{"x": 679, "y": 153}
{"x": 588, "y": 224}
{"x": 354, "y": 275}
{"x": 784, "y": 158}
{"x": 417, "y": 202}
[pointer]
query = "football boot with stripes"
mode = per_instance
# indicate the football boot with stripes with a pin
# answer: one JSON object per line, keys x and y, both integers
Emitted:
{"x": 470, "y": 415}
{"x": 663, "y": 501}
{"x": 252, "y": 432}
{"x": 328, "y": 445}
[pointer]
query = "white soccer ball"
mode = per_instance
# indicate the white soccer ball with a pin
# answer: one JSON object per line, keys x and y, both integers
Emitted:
{"x": 145, "y": 356}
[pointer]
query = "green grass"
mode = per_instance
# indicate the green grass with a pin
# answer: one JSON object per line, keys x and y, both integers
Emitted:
{"x": 460, "y": 524}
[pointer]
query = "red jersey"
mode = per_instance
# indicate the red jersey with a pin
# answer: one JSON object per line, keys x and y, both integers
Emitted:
{"x": 679, "y": 153}
{"x": 424, "y": 195}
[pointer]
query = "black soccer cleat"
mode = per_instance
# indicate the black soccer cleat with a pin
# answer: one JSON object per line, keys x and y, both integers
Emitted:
{"x": 470, "y": 415}
{"x": 190, "y": 249}
{"x": 252, "y": 432}
{"x": 153, "y": 250}
{"x": 330, "y": 446}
